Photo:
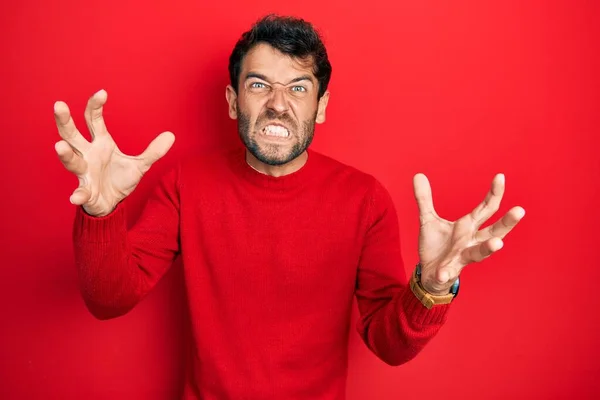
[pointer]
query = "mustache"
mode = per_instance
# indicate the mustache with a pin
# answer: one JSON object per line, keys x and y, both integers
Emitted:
{"x": 271, "y": 115}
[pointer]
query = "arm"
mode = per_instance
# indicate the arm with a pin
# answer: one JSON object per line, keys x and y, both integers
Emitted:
{"x": 117, "y": 267}
{"x": 393, "y": 323}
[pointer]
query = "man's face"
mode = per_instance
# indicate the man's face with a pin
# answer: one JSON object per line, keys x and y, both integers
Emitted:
{"x": 276, "y": 105}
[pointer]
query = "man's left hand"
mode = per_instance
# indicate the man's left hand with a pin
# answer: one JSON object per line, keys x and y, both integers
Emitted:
{"x": 446, "y": 247}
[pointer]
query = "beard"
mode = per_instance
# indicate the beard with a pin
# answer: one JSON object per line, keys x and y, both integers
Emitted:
{"x": 273, "y": 154}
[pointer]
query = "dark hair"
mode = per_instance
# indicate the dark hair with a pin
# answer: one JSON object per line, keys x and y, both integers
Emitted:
{"x": 289, "y": 35}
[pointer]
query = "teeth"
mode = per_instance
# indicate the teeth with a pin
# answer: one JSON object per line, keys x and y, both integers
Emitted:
{"x": 276, "y": 130}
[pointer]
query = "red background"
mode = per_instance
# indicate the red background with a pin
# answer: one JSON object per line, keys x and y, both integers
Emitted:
{"x": 458, "y": 90}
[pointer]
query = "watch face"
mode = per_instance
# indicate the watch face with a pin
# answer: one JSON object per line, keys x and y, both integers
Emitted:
{"x": 455, "y": 287}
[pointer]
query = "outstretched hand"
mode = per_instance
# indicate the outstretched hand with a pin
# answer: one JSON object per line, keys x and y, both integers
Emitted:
{"x": 446, "y": 247}
{"x": 106, "y": 175}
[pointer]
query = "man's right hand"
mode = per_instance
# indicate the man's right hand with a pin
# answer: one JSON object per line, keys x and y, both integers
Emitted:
{"x": 106, "y": 175}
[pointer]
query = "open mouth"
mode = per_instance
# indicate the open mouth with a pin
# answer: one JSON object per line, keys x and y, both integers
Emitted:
{"x": 276, "y": 131}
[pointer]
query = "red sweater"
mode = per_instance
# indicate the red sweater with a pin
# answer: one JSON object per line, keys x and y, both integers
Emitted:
{"x": 271, "y": 266}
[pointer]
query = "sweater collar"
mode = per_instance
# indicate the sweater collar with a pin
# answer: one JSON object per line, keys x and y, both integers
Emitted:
{"x": 295, "y": 179}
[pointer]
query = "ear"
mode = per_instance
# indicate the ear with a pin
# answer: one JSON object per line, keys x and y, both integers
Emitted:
{"x": 321, "y": 107}
{"x": 232, "y": 100}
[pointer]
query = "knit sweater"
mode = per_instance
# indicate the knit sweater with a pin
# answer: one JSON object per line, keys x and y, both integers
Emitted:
{"x": 271, "y": 267}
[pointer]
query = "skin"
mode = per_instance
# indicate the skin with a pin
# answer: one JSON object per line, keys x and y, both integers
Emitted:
{"x": 106, "y": 175}
{"x": 447, "y": 247}
{"x": 276, "y": 89}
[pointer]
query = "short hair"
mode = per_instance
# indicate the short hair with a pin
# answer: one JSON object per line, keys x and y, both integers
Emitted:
{"x": 292, "y": 36}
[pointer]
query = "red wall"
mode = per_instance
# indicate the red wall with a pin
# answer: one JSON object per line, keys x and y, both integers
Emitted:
{"x": 458, "y": 90}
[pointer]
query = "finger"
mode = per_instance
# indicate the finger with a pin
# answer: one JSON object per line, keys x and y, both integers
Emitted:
{"x": 66, "y": 127}
{"x": 93, "y": 114}
{"x": 481, "y": 251}
{"x": 80, "y": 196}
{"x": 157, "y": 149}
{"x": 72, "y": 161}
{"x": 491, "y": 203}
{"x": 444, "y": 275}
{"x": 502, "y": 227}
{"x": 422, "y": 191}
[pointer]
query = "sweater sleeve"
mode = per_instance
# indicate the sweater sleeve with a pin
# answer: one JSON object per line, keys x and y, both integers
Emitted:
{"x": 118, "y": 266}
{"x": 393, "y": 323}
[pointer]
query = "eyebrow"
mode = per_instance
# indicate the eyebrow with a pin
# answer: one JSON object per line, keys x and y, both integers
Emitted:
{"x": 264, "y": 78}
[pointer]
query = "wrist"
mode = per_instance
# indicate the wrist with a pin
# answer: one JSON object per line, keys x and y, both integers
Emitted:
{"x": 451, "y": 287}
{"x": 427, "y": 298}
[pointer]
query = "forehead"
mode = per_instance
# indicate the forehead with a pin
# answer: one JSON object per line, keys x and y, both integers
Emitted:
{"x": 275, "y": 65}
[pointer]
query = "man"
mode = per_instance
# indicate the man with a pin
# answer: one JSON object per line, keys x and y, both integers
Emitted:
{"x": 276, "y": 239}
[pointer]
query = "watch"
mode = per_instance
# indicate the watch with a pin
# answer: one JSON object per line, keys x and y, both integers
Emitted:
{"x": 427, "y": 299}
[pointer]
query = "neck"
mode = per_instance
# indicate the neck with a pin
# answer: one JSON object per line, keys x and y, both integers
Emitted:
{"x": 276, "y": 170}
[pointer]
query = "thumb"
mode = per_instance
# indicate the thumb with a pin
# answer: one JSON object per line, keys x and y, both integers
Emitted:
{"x": 157, "y": 149}
{"x": 80, "y": 196}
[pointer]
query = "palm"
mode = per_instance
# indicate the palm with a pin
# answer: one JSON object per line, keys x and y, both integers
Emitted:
{"x": 110, "y": 175}
{"x": 434, "y": 238}
{"x": 446, "y": 247}
{"x": 106, "y": 175}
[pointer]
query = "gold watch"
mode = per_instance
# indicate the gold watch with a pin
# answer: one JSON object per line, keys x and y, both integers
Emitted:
{"x": 427, "y": 299}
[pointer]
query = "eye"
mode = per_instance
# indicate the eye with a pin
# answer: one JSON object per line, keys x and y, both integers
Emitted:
{"x": 298, "y": 89}
{"x": 257, "y": 85}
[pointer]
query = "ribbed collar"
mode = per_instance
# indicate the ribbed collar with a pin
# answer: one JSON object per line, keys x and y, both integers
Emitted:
{"x": 294, "y": 180}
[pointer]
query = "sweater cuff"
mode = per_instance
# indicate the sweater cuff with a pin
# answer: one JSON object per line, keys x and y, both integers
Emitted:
{"x": 88, "y": 228}
{"x": 417, "y": 313}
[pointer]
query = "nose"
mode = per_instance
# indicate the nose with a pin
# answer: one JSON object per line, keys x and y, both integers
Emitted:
{"x": 277, "y": 100}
